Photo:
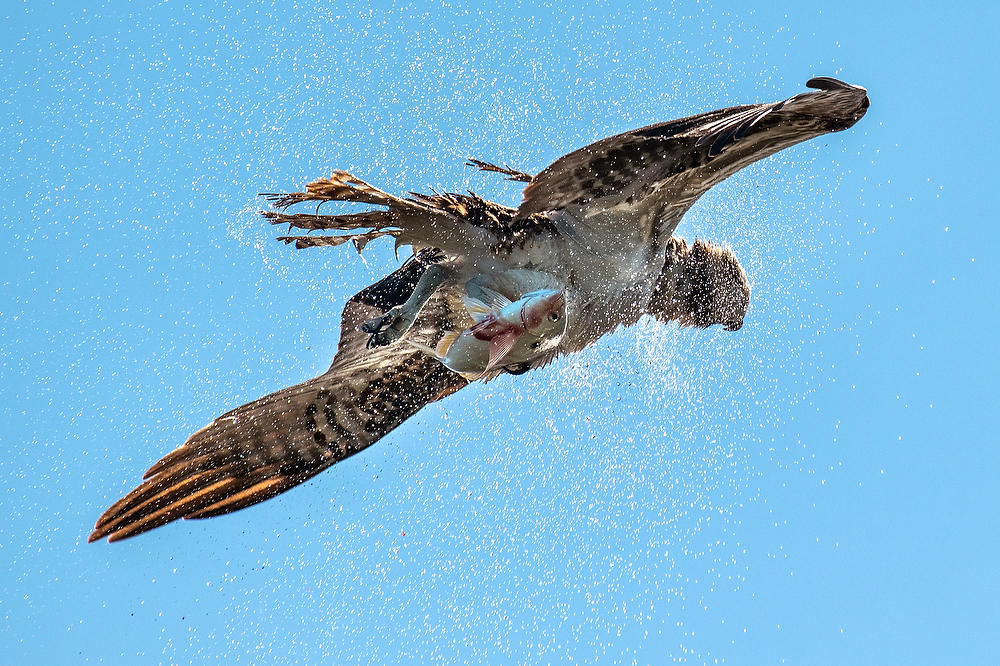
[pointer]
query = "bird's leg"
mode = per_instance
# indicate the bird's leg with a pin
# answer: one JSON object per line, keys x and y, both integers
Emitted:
{"x": 391, "y": 326}
{"x": 512, "y": 174}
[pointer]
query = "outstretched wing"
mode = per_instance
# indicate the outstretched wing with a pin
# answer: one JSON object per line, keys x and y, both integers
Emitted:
{"x": 272, "y": 444}
{"x": 659, "y": 171}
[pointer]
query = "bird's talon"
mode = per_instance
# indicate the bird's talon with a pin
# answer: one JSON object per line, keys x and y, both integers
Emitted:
{"x": 386, "y": 328}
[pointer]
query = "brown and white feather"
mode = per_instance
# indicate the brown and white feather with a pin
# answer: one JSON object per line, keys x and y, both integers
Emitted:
{"x": 601, "y": 219}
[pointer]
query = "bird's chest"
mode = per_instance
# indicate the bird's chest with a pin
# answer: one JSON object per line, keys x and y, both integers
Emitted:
{"x": 544, "y": 252}
{"x": 618, "y": 285}
{"x": 609, "y": 266}
{"x": 608, "y": 291}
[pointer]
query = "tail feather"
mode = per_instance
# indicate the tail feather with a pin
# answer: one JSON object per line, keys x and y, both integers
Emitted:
{"x": 341, "y": 186}
{"x": 360, "y": 240}
{"x": 374, "y": 219}
{"x": 451, "y": 222}
{"x": 505, "y": 170}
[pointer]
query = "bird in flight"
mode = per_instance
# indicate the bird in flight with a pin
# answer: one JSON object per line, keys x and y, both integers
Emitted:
{"x": 595, "y": 227}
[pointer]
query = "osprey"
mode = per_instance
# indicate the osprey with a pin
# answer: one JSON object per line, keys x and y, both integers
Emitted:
{"x": 599, "y": 221}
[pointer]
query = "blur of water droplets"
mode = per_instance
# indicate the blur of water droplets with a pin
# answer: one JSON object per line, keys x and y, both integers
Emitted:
{"x": 593, "y": 511}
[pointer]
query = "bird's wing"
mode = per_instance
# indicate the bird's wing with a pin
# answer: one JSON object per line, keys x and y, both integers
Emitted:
{"x": 672, "y": 164}
{"x": 270, "y": 445}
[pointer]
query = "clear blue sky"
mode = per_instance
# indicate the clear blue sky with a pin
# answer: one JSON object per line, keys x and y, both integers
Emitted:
{"x": 817, "y": 488}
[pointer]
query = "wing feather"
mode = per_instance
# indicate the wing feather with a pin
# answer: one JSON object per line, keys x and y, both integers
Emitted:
{"x": 270, "y": 445}
{"x": 673, "y": 163}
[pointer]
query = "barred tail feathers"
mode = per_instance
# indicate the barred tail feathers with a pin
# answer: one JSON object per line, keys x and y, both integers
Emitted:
{"x": 439, "y": 221}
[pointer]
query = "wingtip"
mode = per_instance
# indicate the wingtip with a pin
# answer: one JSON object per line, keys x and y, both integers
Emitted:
{"x": 828, "y": 83}
{"x": 103, "y": 532}
{"x": 120, "y": 536}
{"x": 105, "y": 528}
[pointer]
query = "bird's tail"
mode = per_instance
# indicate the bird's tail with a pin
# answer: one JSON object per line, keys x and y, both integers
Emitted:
{"x": 341, "y": 186}
{"x": 422, "y": 221}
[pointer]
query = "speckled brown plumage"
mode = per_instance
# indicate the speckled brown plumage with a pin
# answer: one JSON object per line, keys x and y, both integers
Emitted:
{"x": 263, "y": 448}
{"x": 599, "y": 219}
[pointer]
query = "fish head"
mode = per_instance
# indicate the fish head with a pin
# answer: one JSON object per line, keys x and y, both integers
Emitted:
{"x": 543, "y": 312}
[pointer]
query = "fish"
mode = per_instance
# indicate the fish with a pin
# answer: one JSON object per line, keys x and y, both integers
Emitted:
{"x": 506, "y": 332}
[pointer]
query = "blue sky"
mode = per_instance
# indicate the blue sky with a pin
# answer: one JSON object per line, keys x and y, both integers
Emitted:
{"x": 815, "y": 488}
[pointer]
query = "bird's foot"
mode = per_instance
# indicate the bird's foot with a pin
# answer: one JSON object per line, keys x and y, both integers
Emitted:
{"x": 387, "y": 328}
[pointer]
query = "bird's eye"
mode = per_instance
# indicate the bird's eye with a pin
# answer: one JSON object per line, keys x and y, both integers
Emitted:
{"x": 554, "y": 316}
{"x": 535, "y": 345}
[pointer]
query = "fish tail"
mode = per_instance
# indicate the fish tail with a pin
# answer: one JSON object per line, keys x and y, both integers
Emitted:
{"x": 447, "y": 340}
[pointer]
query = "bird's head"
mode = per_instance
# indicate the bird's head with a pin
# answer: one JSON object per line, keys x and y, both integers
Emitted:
{"x": 701, "y": 285}
{"x": 718, "y": 289}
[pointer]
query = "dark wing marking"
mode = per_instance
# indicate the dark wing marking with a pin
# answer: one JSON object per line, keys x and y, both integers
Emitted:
{"x": 673, "y": 163}
{"x": 270, "y": 445}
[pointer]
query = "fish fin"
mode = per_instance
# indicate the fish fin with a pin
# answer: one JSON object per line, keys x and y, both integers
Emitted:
{"x": 476, "y": 308}
{"x": 500, "y": 346}
{"x": 446, "y": 341}
{"x": 479, "y": 329}
{"x": 494, "y": 299}
{"x": 426, "y": 350}
{"x": 543, "y": 360}
{"x": 490, "y": 375}
{"x": 481, "y": 300}
{"x": 471, "y": 376}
